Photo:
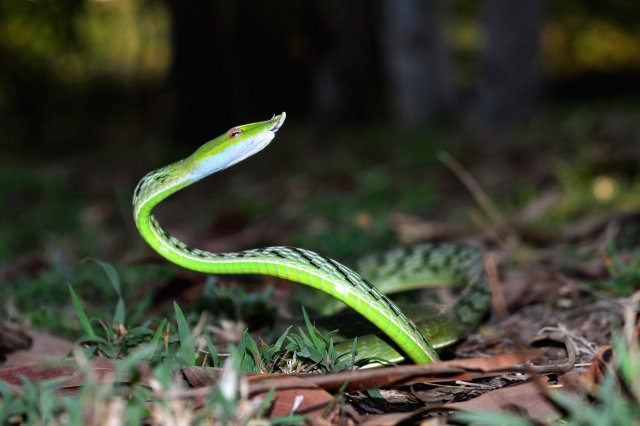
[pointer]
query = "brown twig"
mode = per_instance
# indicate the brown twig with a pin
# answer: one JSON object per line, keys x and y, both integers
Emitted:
{"x": 497, "y": 295}
{"x": 483, "y": 200}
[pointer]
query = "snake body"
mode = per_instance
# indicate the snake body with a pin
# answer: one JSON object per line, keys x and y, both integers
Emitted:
{"x": 401, "y": 335}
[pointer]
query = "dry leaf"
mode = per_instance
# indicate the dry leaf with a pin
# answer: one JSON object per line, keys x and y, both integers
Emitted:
{"x": 44, "y": 347}
{"x": 523, "y": 398}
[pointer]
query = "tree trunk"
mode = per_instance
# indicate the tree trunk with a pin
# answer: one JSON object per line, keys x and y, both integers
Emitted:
{"x": 510, "y": 78}
{"x": 418, "y": 59}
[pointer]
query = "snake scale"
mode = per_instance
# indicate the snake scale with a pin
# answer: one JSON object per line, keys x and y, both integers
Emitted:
{"x": 401, "y": 336}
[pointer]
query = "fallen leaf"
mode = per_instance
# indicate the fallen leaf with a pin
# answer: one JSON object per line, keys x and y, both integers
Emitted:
{"x": 301, "y": 399}
{"x": 392, "y": 419}
{"x": 523, "y": 398}
{"x": 70, "y": 374}
{"x": 13, "y": 337}
{"x": 44, "y": 347}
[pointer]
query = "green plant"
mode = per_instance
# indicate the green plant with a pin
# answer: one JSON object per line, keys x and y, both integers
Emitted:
{"x": 166, "y": 349}
{"x": 261, "y": 358}
{"x": 316, "y": 352}
{"x": 624, "y": 273}
{"x": 113, "y": 339}
{"x": 305, "y": 351}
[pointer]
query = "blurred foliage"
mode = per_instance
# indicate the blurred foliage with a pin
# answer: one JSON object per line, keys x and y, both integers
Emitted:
{"x": 126, "y": 39}
{"x": 75, "y": 40}
{"x": 67, "y": 64}
{"x": 34, "y": 205}
{"x": 57, "y": 57}
{"x": 576, "y": 46}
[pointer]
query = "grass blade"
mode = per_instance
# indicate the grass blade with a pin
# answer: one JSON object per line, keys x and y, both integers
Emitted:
{"x": 82, "y": 316}
{"x": 278, "y": 345}
{"x": 186, "y": 339}
{"x": 119, "y": 313}
{"x": 213, "y": 352}
{"x": 110, "y": 271}
{"x": 158, "y": 335}
{"x": 317, "y": 342}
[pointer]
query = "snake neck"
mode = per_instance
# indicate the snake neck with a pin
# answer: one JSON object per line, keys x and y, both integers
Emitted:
{"x": 157, "y": 185}
{"x": 152, "y": 189}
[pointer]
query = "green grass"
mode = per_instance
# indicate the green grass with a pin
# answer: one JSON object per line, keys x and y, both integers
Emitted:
{"x": 319, "y": 194}
{"x": 135, "y": 402}
{"x": 167, "y": 348}
{"x": 310, "y": 350}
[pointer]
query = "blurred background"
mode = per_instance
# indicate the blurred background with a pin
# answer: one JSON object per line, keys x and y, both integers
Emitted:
{"x": 532, "y": 97}
{"x": 79, "y": 70}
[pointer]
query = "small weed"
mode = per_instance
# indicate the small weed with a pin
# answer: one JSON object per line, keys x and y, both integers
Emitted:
{"x": 234, "y": 302}
{"x": 162, "y": 397}
{"x": 624, "y": 273}
{"x": 315, "y": 351}
{"x": 306, "y": 351}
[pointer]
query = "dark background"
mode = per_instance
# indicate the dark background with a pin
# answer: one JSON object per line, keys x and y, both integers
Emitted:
{"x": 93, "y": 94}
{"x": 72, "y": 71}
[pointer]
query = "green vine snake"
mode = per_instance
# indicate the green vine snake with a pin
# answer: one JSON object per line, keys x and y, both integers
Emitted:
{"x": 401, "y": 336}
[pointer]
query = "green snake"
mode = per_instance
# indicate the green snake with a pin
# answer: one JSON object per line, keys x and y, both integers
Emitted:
{"x": 401, "y": 337}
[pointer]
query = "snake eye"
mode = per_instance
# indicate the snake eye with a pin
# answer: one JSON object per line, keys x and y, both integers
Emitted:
{"x": 234, "y": 133}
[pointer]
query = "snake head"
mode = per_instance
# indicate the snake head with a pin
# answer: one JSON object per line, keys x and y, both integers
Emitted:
{"x": 233, "y": 146}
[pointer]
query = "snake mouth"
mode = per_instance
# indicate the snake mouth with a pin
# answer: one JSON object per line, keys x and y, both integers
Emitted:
{"x": 277, "y": 121}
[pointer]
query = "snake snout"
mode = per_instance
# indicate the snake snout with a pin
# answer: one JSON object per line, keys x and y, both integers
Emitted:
{"x": 277, "y": 121}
